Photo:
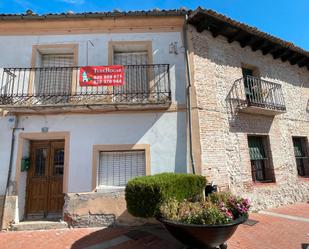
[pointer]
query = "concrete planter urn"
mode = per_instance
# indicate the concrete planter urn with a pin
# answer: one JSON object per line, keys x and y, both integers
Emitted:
{"x": 203, "y": 236}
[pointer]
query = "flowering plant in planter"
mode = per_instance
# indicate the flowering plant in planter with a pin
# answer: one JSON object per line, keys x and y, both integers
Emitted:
{"x": 218, "y": 208}
{"x": 176, "y": 200}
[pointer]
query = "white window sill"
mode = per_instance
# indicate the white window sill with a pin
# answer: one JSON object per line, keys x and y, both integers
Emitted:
{"x": 110, "y": 189}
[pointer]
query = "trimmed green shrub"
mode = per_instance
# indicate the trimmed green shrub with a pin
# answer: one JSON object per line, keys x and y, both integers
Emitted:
{"x": 144, "y": 195}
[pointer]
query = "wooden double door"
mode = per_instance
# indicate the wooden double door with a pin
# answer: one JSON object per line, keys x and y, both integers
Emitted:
{"x": 44, "y": 195}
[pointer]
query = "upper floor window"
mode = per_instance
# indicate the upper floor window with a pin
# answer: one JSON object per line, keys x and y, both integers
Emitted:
{"x": 136, "y": 56}
{"x": 58, "y": 79}
{"x": 53, "y": 75}
{"x": 301, "y": 155}
{"x": 261, "y": 165}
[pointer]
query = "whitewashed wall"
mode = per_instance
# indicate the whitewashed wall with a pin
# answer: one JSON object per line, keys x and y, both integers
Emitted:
{"x": 5, "y": 147}
{"x": 165, "y": 132}
{"x": 17, "y": 52}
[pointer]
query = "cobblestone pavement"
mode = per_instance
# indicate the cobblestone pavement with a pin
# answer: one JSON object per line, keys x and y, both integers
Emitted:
{"x": 289, "y": 230}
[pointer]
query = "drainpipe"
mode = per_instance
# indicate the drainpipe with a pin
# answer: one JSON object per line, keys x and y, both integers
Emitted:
{"x": 10, "y": 170}
{"x": 188, "y": 90}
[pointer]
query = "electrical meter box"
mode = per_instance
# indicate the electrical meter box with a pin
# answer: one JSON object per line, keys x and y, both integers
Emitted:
{"x": 25, "y": 164}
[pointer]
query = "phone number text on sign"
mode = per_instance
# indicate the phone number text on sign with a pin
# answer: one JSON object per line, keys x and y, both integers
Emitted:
{"x": 101, "y": 75}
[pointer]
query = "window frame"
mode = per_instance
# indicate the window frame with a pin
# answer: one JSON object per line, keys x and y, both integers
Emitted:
{"x": 267, "y": 162}
{"x": 145, "y": 46}
{"x": 38, "y": 50}
{"x": 305, "y": 149}
{"x": 116, "y": 147}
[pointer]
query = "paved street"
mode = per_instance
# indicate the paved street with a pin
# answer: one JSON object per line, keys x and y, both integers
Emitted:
{"x": 283, "y": 228}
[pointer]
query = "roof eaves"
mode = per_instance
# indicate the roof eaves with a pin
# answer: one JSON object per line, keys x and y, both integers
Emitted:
{"x": 201, "y": 14}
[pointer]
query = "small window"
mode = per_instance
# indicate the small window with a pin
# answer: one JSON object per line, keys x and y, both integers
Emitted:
{"x": 261, "y": 167}
{"x": 301, "y": 155}
{"x": 116, "y": 168}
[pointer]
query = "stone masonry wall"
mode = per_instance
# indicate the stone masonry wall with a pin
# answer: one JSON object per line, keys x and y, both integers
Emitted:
{"x": 224, "y": 145}
{"x": 94, "y": 209}
{"x": 9, "y": 211}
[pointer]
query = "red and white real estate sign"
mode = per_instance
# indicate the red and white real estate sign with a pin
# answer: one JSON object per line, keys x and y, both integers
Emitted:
{"x": 101, "y": 75}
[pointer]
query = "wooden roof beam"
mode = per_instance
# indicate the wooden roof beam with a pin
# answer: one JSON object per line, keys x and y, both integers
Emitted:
{"x": 296, "y": 59}
{"x": 247, "y": 41}
{"x": 216, "y": 30}
{"x": 201, "y": 26}
{"x": 235, "y": 36}
{"x": 302, "y": 61}
{"x": 288, "y": 56}
{"x": 259, "y": 44}
{"x": 270, "y": 49}
{"x": 280, "y": 53}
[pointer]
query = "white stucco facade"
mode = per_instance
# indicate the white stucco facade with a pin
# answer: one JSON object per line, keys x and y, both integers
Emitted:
{"x": 17, "y": 51}
{"x": 164, "y": 132}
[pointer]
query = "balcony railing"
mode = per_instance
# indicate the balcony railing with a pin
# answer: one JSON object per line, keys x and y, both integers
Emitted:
{"x": 59, "y": 86}
{"x": 257, "y": 93}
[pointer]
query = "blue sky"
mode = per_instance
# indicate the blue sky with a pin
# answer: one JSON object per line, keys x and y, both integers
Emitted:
{"x": 285, "y": 19}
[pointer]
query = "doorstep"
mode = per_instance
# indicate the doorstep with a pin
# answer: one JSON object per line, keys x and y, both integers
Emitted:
{"x": 38, "y": 225}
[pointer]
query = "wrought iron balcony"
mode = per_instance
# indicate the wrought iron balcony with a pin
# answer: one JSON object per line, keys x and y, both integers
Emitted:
{"x": 255, "y": 95}
{"x": 54, "y": 87}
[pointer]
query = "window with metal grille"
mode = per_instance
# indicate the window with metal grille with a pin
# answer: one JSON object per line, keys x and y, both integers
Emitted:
{"x": 136, "y": 78}
{"x": 57, "y": 79}
{"x": 116, "y": 168}
{"x": 261, "y": 168}
{"x": 301, "y": 155}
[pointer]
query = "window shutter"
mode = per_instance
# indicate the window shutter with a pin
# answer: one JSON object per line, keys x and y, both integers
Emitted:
{"x": 136, "y": 78}
{"x": 54, "y": 60}
{"x": 256, "y": 148}
{"x": 55, "y": 81}
{"x": 130, "y": 58}
{"x": 298, "y": 147}
{"x": 116, "y": 168}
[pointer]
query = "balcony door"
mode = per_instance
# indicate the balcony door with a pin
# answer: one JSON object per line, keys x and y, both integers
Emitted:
{"x": 136, "y": 85}
{"x": 45, "y": 180}
{"x": 248, "y": 82}
{"x": 55, "y": 76}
